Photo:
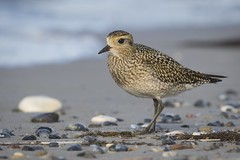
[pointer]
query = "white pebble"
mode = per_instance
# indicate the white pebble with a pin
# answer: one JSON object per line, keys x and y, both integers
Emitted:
{"x": 103, "y": 118}
{"x": 39, "y": 104}
{"x": 198, "y": 133}
{"x": 227, "y": 107}
{"x": 174, "y": 133}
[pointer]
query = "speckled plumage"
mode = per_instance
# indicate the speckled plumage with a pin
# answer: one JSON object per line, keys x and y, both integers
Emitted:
{"x": 145, "y": 72}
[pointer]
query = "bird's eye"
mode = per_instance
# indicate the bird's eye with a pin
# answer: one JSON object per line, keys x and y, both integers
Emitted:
{"x": 121, "y": 40}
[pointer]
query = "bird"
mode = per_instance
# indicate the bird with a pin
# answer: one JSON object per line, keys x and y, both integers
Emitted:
{"x": 148, "y": 73}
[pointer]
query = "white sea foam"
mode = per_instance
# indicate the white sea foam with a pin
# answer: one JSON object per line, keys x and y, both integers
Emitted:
{"x": 38, "y": 32}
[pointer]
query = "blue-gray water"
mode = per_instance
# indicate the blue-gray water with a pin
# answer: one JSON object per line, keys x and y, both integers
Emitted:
{"x": 53, "y": 31}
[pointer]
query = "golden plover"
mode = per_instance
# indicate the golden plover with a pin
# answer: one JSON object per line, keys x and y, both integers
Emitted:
{"x": 148, "y": 73}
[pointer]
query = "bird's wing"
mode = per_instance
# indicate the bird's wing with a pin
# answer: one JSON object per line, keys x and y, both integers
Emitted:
{"x": 166, "y": 69}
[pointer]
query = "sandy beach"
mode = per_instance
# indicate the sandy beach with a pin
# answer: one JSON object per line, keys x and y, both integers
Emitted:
{"x": 86, "y": 89}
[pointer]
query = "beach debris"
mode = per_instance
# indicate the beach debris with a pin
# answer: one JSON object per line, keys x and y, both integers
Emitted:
{"x": 32, "y": 148}
{"x": 228, "y": 95}
{"x": 98, "y": 149}
{"x": 76, "y": 127}
{"x": 117, "y": 147}
{"x": 100, "y": 119}
{"x": 170, "y": 118}
{"x": 39, "y": 104}
{"x": 202, "y": 103}
{"x": 5, "y": 133}
{"x": 174, "y": 133}
{"x": 29, "y": 137}
{"x": 216, "y": 124}
{"x": 17, "y": 155}
{"x": 43, "y": 132}
{"x": 86, "y": 154}
{"x": 53, "y": 144}
{"x": 45, "y": 118}
{"x": 75, "y": 147}
{"x": 233, "y": 107}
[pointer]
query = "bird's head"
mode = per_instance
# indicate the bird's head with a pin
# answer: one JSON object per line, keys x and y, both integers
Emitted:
{"x": 119, "y": 43}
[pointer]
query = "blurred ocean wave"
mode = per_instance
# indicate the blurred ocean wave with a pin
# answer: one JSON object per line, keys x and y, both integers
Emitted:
{"x": 43, "y": 31}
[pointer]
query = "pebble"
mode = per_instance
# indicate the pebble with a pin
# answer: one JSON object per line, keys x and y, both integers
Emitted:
{"x": 205, "y": 129}
{"x": 42, "y": 104}
{"x": 54, "y": 136}
{"x": 76, "y": 127}
{"x": 168, "y": 141}
{"x": 216, "y": 124}
{"x": 98, "y": 149}
{"x": 45, "y": 118}
{"x": 53, "y": 144}
{"x": 17, "y": 155}
{"x": 41, "y": 153}
{"x": 32, "y": 148}
{"x": 169, "y": 118}
{"x": 100, "y": 119}
{"x": 57, "y": 158}
{"x": 5, "y": 133}
{"x": 159, "y": 149}
{"x": 169, "y": 154}
{"x": 185, "y": 126}
{"x": 3, "y": 157}
{"x": 174, "y": 133}
{"x": 230, "y": 124}
{"x": 75, "y": 147}
{"x": 181, "y": 146}
{"x": 86, "y": 154}
{"x": 117, "y": 147}
{"x": 147, "y": 120}
{"x": 107, "y": 123}
{"x": 233, "y": 107}
{"x": 1, "y": 148}
{"x": 29, "y": 137}
{"x": 43, "y": 132}
{"x": 89, "y": 140}
{"x": 202, "y": 103}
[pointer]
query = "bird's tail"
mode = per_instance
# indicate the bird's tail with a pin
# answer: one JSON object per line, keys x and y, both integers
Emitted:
{"x": 214, "y": 78}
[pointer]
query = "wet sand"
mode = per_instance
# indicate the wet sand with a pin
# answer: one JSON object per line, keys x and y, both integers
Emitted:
{"x": 86, "y": 89}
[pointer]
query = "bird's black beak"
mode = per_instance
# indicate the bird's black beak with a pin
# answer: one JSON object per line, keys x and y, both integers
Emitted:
{"x": 105, "y": 49}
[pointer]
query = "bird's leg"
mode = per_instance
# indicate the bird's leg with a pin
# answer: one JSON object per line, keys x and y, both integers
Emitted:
{"x": 158, "y": 107}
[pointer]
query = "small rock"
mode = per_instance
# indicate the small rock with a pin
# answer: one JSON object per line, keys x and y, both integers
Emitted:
{"x": 170, "y": 118}
{"x": 201, "y": 103}
{"x": 76, "y": 127}
{"x": 147, "y": 120}
{"x": 216, "y": 124}
{"x": 185, "y": 126}
{"x": 159, "y": 149}
{"x": 180, "y": 147}
{"x": 43, "y": 132}
{"x": 168, "y": 141}
{"x": 76, "y": 147}
{"x": 39, "y": 104}
{"x": 45, "y": 118}
{"x": 225, "y": 115}
{"x": 107, "y": 123}
{"x": 29, "y": 137}
{"x": 32, "y": 148}
{"x": 53, "y": 144}
{"x": 214, "y": 146}
{"x": 5, "y": 133}
{"x": 174, "y": 133}
{"x": 100, "y": 119}
{"x": 228, "y": 95}
{"x": 3, "y": 157}
{"x": 118, "y": 148}
{"x": 98, "y": 149}
{"x": 233, "y": 107}
{"x": 17, "y": 155}
{"x": 89, "y": 140}
{"x": 169, "y": 154}
{"x": 54, "y": 136}
{"x": 230, "y": 124}
{"x": 86, "y": 154}
{"x": 168, "y": 104}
